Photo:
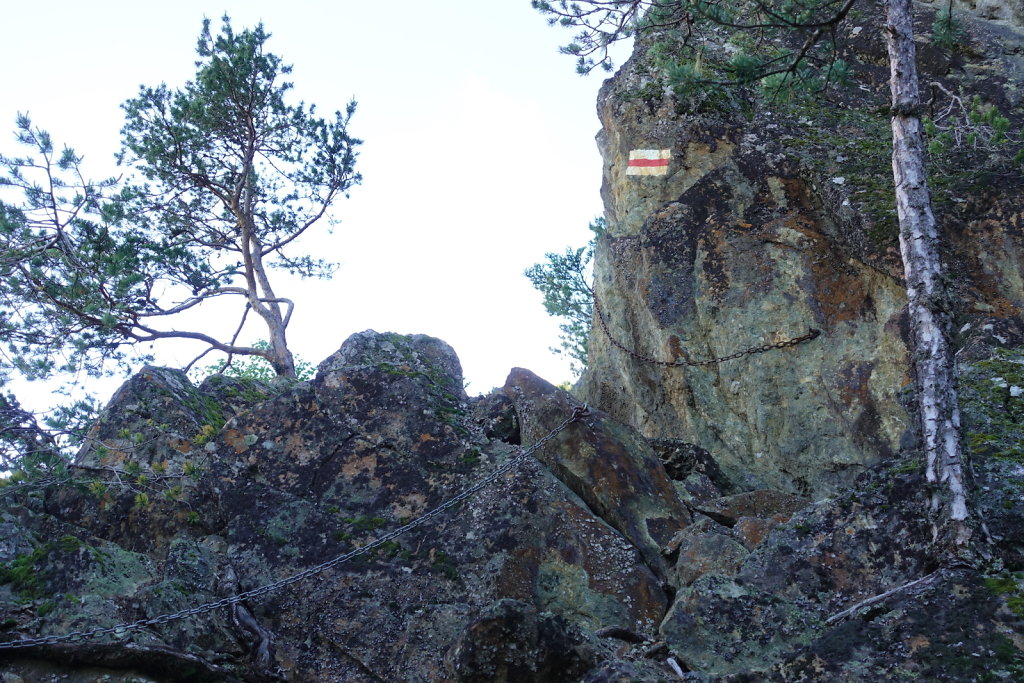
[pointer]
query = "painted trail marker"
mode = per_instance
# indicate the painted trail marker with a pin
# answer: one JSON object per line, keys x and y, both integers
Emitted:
{"x": 648, "y": 162}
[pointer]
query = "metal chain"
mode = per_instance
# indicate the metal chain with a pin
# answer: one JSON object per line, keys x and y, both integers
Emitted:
{"x": 121, "y": 629}
{"x": 812, "y": 333}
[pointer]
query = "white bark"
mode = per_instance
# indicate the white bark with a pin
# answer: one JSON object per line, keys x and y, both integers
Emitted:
{"x": 919, "y": 241}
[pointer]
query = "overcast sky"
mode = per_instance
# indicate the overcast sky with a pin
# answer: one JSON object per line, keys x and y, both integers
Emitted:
{"x": 479, "y": 151}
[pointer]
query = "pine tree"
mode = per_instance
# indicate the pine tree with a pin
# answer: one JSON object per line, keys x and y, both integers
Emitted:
{"x": 563, "y": 280}
{"x": 228, "y": 175}
{"x": 236, "y": 175}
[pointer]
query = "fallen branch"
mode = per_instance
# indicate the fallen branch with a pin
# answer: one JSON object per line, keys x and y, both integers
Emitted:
{"x": 835, "y": 618}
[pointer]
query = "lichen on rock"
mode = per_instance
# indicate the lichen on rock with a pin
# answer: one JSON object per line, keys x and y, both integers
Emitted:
{"x": 761, "y": 518}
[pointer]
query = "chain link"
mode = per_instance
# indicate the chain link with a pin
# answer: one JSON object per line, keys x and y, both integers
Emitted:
{"x": 122, "y": 629}
{"x": 812, "y": 333}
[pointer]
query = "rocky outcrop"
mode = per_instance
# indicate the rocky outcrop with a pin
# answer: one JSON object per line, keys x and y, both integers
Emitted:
{"x": 606, "y": 464}
{"x": 380, "y": 437}
{"x": 772, "y": 219}
{"x": 597, "y": 556}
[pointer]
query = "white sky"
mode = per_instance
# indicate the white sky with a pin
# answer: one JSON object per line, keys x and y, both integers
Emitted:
{"x": 479, "y": 151}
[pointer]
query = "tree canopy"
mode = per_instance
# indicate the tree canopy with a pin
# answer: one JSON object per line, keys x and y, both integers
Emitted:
{"x": 223, "y": 176}
{"x": 685, "y": 27}
{"x": 564, "y": 281}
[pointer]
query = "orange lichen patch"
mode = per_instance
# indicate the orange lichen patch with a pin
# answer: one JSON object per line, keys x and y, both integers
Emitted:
{"x": 425, "y": 437}
{"x": 289, "y": 479}
{"x": 235, "y": 439}
{"x": 409, "y": 505}
{"x": 181, "y": 445}
{"x": 818, "y": 665}
{"x": 114, "y": 454}
{"x": 992, "y": 264}
{"x": 300, "y": 449}
{"x": 713, "y": 263}
{"x": 751, "y": 531}
{"x": 917, "y": 642}
{"x": 791, "y": 193}
{"x": 353, "y": 467}
{"x": 836, "y": 564}
{"x": 988, "y": 294}
{"x": 997, "y": 307}
{"x": 839, "y": 292}
{"x": 762, "y": 503}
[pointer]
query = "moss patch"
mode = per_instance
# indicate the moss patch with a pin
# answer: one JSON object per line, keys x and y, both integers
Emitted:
{"x": 992, "y": 401}
{"x": 24, "y": 573}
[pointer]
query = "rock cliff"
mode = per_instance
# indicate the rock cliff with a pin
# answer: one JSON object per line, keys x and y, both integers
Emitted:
{"x": 772, "y": 219}
{"x": 761, "y": 518}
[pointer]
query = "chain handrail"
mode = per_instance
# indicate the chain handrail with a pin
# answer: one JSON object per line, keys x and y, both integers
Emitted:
{"x": 122, "y": 629}
{"x": 812, "y": 333}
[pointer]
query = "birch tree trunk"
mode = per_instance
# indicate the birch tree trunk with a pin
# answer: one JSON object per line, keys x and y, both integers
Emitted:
{"x": 919, "y": 245}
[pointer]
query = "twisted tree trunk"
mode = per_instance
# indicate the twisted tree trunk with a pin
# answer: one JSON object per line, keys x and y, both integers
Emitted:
{"x": 919, "y": 245}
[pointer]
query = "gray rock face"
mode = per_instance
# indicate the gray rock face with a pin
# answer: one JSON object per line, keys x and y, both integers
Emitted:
{"x": 380, "y": 437}
{"x": 764, "y": 224}
{"x": 581, "y": 563}
{"x": 610, "y": 467}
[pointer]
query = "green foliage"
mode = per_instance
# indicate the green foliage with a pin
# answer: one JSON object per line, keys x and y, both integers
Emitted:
{"x": 471, "y": 458}
{"x": 204, "y": 435}
{"x": 969, "y": 145}
{"x": 192, "y": 138}
{"x": 69, "y": 544}
{"x": 23, "y": 575}
{"x": 77, "y": 278}
{"x": 224, "y": 175}
{"x": 228, "y": 174}
{"x": 1009, "y": 588}
{"x": 745, "y": 67}
{"x": 254, "y": 368}
{"x": 947, "y": 31}
{"x": 856, "y": 143}
{"x": 980, "y": 128}
{"x": 444, "y": 564}
{"x": 206, "y": 406}
{"x": 366, "y": 523}
{"x": 688, "y": 38}
{"x": 992, "y": 402}
{"x": 564, "y": 282}
{"x": 40, "y": 448}
{"x": 235, "y": 173}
